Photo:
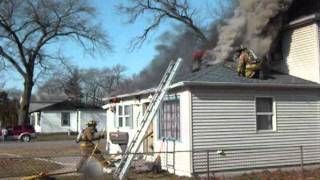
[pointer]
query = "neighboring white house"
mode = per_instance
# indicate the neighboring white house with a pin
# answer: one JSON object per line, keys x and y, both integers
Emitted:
{"x": 215, "y": 109}
{"x": 65, "y": 116}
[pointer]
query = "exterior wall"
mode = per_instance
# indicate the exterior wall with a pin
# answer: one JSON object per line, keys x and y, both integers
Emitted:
{"x": 226, "y": 119}
{"x": 51, "y": 122}
{"x": 99, "y": 116}
{"x": 301, "y": 52}
{"x": 112, "y": 119}
{"x": 182, "y": 160}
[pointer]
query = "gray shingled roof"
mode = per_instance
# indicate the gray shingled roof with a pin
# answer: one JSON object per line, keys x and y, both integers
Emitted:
{"x": 37, "y": 105}
{"x": 218, "y": 73}
{"x": 69, "y": 105}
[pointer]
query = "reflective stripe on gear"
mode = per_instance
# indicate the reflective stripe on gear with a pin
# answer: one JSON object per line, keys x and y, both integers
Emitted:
{"x": 253, "y": 67}
{"x": 86, "y": 145}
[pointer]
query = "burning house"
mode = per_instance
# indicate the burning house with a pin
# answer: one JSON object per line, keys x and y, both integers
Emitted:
{"x": 258, "y": 123}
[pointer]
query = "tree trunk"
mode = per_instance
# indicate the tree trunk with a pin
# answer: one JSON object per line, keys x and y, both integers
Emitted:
{"x": 25, "y": 101}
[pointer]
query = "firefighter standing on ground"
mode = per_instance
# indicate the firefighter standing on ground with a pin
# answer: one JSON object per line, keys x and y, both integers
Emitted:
{"x": 88, "y": 148}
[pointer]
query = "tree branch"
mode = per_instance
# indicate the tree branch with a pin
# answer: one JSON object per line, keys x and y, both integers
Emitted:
{"x": 12, "y": 61}
{"x": 16, "y": 39}
{"x": 171, "y": 9}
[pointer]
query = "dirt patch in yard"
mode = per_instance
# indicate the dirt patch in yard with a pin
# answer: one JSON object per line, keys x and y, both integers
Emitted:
{"x": 132, "y": 175}
{"x": 264, "y": 175}
{"x": 277, "y": 175}
{"x": 25, "y": 167}
{"x": 150, "y": 175}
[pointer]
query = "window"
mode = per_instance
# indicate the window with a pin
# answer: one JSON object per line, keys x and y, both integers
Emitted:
{"x": 125, "y": 115}
{"x": 264, "y": 113}
{"x": 169, "y": 119}
{"x": 65, "y": 119}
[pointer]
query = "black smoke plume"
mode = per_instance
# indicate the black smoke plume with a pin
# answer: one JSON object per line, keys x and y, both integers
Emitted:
{"x": 256, "y": 24}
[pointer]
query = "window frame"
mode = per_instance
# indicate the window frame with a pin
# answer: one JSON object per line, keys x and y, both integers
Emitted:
{"x": 273, "y": 114}
{"x": 177, "y": 130}
{"x": 124, "y": 116}
{"x": 69, "y": 119}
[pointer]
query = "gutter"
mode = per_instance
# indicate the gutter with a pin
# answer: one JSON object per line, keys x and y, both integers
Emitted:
{"x": 224, "y": 84}
{"x": 302, "y": 21}
{"x": 141, "y": 92}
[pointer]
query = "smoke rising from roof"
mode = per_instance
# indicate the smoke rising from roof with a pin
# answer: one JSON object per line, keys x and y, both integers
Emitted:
{"x": 255, "y": 24}
{"x": 252, "y": 23}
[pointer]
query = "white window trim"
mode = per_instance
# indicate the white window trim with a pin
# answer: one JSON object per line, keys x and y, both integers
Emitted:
{"x": 124, "y": 124}
{"x": 274, "y": 114}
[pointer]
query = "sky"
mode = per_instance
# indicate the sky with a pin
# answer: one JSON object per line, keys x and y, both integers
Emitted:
{"x": 120, "y": 34}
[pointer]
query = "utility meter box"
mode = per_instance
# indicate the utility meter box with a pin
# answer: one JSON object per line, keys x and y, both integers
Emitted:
{"x": 119, "y": 137}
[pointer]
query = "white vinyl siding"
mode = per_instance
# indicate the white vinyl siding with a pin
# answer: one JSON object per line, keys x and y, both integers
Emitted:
{"x": 51, "y": 122}
{"x": 227, "y": 120}
{"x": 301, "y": 52}
{"x": 99, "y": 116}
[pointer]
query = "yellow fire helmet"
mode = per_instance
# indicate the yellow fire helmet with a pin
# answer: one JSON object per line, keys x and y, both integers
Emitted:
{"x": 92, "y": 123}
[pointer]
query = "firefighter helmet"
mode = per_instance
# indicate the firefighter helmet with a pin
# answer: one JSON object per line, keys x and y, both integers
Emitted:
{"x": 92, "y": 123}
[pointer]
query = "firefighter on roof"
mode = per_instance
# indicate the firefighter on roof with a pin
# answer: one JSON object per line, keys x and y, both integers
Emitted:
{"x": 87, "y": 147}
{"x": 248, "y": 65}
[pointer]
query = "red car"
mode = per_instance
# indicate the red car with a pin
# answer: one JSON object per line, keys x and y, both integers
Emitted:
{"x": 23, "y": 133}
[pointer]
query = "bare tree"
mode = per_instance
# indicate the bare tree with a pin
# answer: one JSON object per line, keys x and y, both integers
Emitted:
{"x": 101, "y": 83}
{"x": 72, "y": 87}
{"x": 52, "y": 88}
{"x": 160, "y": 10}
{"x": 93, "y": 83}
{"x": 28, "y": 27}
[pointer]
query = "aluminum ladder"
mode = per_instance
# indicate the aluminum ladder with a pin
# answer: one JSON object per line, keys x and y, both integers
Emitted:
{"x": 125, "y": 163}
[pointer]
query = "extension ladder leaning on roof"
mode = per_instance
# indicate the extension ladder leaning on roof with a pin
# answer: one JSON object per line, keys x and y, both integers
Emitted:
{"x": 122, "y": 170}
